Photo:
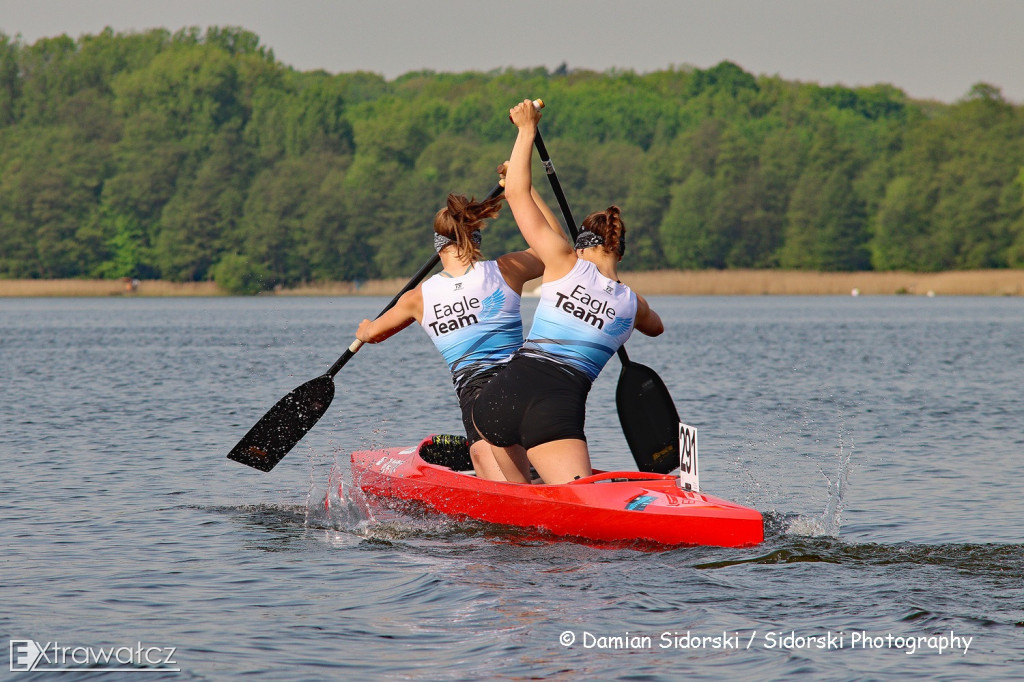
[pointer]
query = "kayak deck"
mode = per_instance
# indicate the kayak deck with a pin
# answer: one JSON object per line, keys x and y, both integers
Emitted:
{"x": 608, "y": 506}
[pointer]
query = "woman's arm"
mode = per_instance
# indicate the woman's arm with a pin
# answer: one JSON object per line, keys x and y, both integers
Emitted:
{"x": 409, "y": 309}
{"x": 648, "y": 322}
{"x": 549, "y": 215}
{"x": 519, "y": 267}
{"x": 550, "y": 246}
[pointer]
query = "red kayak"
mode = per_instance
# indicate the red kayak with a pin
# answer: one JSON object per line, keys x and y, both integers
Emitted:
{"x": 609, "y": 506}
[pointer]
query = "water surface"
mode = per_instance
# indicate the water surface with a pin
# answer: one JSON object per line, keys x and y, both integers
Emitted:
{"x": 881, "y": 437}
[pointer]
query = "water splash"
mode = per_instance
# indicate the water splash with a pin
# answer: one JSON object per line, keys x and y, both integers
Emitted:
{"x": 340, "y": 505}
{"x": 831, "y": 519}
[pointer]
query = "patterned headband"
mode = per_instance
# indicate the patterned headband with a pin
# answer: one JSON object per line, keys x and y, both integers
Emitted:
{"x": 586, "y": 239}
{"x": 441, "y": 241}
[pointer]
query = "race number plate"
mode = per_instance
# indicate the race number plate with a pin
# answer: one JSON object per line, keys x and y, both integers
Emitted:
{"x": 688, "y": 476}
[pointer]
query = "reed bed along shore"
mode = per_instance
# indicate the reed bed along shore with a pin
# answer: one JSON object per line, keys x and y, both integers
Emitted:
{"x": 58, "y": 288}
{"x": 798, "y": 283}
{"x": 665, "y": 282}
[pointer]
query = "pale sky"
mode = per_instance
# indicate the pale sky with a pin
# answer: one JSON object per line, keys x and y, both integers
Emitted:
{"x": 931, "y": 49}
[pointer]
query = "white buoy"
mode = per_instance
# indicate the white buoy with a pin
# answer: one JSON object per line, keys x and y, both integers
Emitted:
{"x": 855, "y": 292}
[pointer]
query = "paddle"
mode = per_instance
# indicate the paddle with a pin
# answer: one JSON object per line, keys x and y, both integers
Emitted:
{"x": 647, "y": 412}
{"x": 294, "y": 415}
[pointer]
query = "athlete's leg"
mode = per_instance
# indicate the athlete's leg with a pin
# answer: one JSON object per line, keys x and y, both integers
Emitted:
{"x": 484, "y": 462}
{"x": 512, "y": 461}
{"x": 561, "y": 461}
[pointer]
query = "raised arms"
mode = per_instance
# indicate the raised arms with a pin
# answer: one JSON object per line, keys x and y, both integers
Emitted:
{"x": 549, "y": 245}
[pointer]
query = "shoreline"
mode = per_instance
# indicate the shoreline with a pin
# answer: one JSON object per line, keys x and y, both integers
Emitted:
{"x": 654, "y": 283}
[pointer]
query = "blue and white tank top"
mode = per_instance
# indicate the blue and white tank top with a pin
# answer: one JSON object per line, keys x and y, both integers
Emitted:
{"x": 473, "y": 320}
{"x": 581, "y": 320}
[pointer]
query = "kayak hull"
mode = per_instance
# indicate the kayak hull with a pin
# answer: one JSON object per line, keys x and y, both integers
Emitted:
{"x": 615, "y": 507}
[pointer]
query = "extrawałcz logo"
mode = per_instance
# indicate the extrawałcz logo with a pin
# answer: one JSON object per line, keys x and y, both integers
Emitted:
{"x": 30, "y": 656}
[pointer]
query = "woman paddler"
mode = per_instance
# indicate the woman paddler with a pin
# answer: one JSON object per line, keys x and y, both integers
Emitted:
{"x": 585, "y": 314}
{"x": 470, "y": 310}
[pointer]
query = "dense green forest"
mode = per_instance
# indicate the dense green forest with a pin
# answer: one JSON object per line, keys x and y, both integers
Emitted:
{"x": 196, "y": 155}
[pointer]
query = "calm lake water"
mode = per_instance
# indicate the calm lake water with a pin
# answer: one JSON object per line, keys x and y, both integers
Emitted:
{"x": 882, "y": 438}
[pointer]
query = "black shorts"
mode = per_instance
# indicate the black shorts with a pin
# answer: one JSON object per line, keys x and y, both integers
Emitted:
{"x": 467, "y": 396}
{"x": 532, "y": 402}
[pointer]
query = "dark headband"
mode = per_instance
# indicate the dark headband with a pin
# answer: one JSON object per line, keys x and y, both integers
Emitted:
{"x": 586, "y": 239}
{"x": 441, "y": 241}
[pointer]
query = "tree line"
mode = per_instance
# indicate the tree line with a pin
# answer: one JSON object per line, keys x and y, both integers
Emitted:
{"x": 196, "y": 155}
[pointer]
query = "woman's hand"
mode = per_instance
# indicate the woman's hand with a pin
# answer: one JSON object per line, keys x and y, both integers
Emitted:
{"x": 524, "y": 114}
{"x": 363, "y": 333}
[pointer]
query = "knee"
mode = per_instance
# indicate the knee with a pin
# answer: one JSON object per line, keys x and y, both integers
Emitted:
{"x": 480, "y": 453}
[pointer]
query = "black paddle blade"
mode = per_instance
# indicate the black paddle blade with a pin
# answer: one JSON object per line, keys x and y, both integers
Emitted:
{"x": 649, "y": 418}
{"x": 285, "y": 424}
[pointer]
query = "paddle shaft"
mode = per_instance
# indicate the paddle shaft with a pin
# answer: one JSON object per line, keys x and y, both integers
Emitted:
{"x": 409, "y": 286}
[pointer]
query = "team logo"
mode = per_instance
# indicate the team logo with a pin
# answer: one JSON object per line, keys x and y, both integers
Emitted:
{"x": 619, "y": 326}
{"x": 492, "y": 304}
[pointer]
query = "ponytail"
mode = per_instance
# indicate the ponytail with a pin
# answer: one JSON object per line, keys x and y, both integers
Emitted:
{"x": 457, "y": 222}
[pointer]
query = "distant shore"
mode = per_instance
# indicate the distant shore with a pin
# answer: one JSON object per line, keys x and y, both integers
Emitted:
{"x": 664, "y": 282}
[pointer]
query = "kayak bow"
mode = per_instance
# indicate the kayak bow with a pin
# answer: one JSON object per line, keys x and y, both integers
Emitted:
{"x": 609, "y": 506}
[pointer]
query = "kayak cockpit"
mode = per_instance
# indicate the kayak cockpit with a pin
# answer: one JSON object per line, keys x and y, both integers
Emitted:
{"x": 452, "y": 452}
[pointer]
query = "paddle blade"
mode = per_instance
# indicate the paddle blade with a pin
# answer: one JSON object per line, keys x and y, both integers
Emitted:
{"x": 285, "y": 424}
{"x": 649, "y": 418}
